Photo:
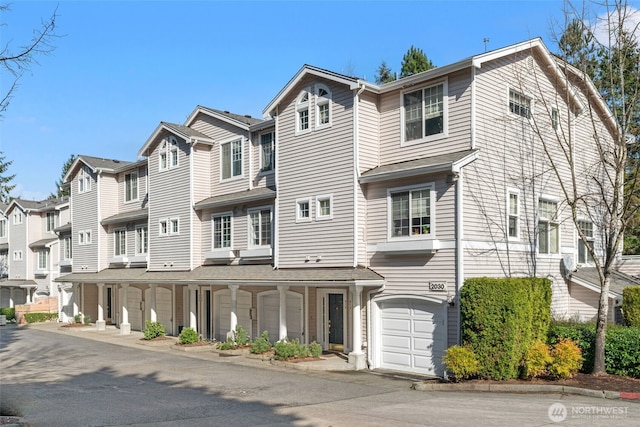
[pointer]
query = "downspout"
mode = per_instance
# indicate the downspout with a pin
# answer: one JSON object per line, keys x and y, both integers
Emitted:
{"x": 250, "y": 161}
{"x": 26, "y": 255}
{"x": 473, "y": 107}
{"x": 98, "y": 233}
{"x": 356, "y": 171}
{"x": 276, "y": 209}
{"x": 459, "y": 248}
{"x": 191, "y": 205}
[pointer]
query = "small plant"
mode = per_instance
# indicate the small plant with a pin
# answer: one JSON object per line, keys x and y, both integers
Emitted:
{"x": 285, "y": 350}
{"x": 9, "y": 312}
{"x": 261, "y": 344}
{"x": 229, "y": 344}
{"x": 567, "y": 358}
{"x": 315, "y": 349}
{"x": 153, "y": 330}
{"x": 238, "y": 338}
{"x": 188, "y": 336}
{"x": 77, "y": 318}
{"x": 86, "y": 320}
{"x": 536, "y": 360}
{"x": 461, "y": 362}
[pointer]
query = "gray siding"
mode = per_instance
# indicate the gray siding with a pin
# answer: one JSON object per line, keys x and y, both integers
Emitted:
{"x": 84, "y": 217}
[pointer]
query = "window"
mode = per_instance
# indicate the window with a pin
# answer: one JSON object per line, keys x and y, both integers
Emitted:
{"x": 120, "y": 242}
{"x": 424, "y": 112}
{"x": 17, "y": 255}
{"x": 51, "y": 221}
{"x": 302, "y": 112}
{"x": 519, "y": 104}
{"x": 231, "y": 158}
{"x": 164, "y": 228}
{"x": 3, "y": 228}
{"x": 323, "y": 106}
{"x": 175, "y": 226}
{"x": 303, "y": 210}
{"x": 324, "y": 208}
{"x": 411, "y": 212}
{"x": 169, "y": 226}
{"x": 267, "y": 152}
{"x": 162, "y": 157}
{"x": 584, "y": 256}
{"x": 555, "y": 117}
{"x": 221, "y": 231}
{"x": 84, "y": 180}
{"x": 260, "y": 223}
{"x": 66, "y": 247}
{"x": 168, "y": 153}
{"x": 42, "y": 260}
{"x": 142, "y": 240}
{"x": 17, "y": 217}
{"x": 131, "y": 186}
{"x": 548, "y": 230}
{"x": 513, "y": 217}
{"x": 84, "y": 237}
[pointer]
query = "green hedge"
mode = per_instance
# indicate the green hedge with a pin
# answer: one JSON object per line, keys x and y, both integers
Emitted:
{"x": 9, "y": 312}
{"x": 631, "y": 306}
{"x": 621, "y": 349}
{"x": 501, "y": 318}
{"x": 39, "y": 317}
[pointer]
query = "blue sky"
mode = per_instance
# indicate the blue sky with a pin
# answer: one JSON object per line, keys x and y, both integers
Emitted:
{"x": 121, "y": 67}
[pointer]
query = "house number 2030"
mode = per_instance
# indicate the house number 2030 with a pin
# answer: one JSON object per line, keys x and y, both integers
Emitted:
{"x": 438, "y": 286}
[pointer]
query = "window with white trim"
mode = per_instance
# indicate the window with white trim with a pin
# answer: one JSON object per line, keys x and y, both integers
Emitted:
{"x": 513, "y": 214}
{"x": 221, "y": 226}
{"x": 3, "y": 227}
{"x": 519, "y": 104}
{"x": 42, "y": 259}
{"x": 17, "y": 217}
{"x": 302, "y": 112}
{"x": 168, "y": 153}
{"x": 84, "y": 180}
{"x": 84, "y": 237}
{"x": 17, "y": 255}
{"x": 411, "y": 212}
{"x": 584, "y": 256}
{"x": 66, "y": 247}
{"x": 163, "y": 227}
{"x": 131, "y": 186}
{"x": 424, "y": 112}
{"x": 174, "y": 225}
{"x": 323, "y": 106}
{"x": 142, "y": 240}
{"x": 548, "y": 228}
{"x": 260, "y": 227}
{"x": 120, "y": 242}
{"x": 231, "y": 159}
{"x": 303, "y": 210}
{"x": 51, "y": 221}
{"x": 267, "y": 152}
{"x": 324, "y": 207}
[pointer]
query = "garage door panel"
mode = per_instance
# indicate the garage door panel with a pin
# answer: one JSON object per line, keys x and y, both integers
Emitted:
{"x": 397, "y": 325}
{"x": 424, "y": 327}
{"x": 396, "y": 359}
{"x": 396, "y": 342}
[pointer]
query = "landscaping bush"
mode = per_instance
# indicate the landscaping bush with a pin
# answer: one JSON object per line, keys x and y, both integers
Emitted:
{"x": 285, "y": 350}
{"x": 536, "y": 360}
{"x": 501, "y": 318}
{"x": 631, "y": 306}
{"x": 153, "y": 330}
{"x": 261, "y": 344}
{"x": 39, "y": 317}
{"x": 239, "y": 338}
{"x": 567, "y": 358}
{"x": 86, "y": 320}
{"x": 9, "y": 312}
{"x": 188, "y": 336}
{"x": 461, "y": 362}
{"x": 315, "y": 349}
{"x": 584, "y": 334}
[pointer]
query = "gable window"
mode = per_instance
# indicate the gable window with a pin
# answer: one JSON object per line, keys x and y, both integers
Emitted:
{"x": 120, "y": 242}
{"x": 84, "y": 237}
{"x": 221, "y": 231}
{"x": 51, "y": 221}
{"x": 168, "y": 153}
{"x": 131, "y": 186}
{"x": 3, "y": 228}
{"x": 411, "y": 212}
{"x": 260, "y": 224}
{"x": 66, "y": 247}
{"x": 324, "y": 207}
{"x": 17, "y": 217}
{"x": 17, "y": 255}
{"x": 231, "y": 158}
{"x": 513, "y": 219}
{"x": 424, "y": 112}
{"x": 584, "y": 256}
{"x": 548, "y": 230}
{"x": 84, "y": 180}
{"x": 519, "y": 104}
{"x": 302, "y": 112}
{"x": 267, "y": 152}
{"x": 42, "y": 260}
{"x": 303, "y": 210}
{"x": 323, "y": 106}
{"x": 142, "y": 240}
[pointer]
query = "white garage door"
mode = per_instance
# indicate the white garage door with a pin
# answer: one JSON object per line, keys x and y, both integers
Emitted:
{"x": 269, "y": 315}
{"x": 412, "y": 336}
{"x": 163, "y": 308}
{"x": 222, "y": 314}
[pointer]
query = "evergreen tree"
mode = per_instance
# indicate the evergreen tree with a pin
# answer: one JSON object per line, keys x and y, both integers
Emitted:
{"x": 384, "y": 74}
{"x": 61, "y": 189}
{"x": 415, "y": 61}
{"x": 5, "y": 180}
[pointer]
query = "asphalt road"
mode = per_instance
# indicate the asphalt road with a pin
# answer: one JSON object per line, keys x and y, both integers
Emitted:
{"x": 54, "y": 379}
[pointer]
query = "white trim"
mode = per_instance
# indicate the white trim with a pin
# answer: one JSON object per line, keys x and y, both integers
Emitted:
{"x": 124, "y": 181}
{"x": 515, "y": 192}
{"x": 310, "y": 213}
{"x": 231, "y": 221}
{"x": 250, "y": 244}
{"x": 273, "y": 152}
{"x": 301, "y": 106}
{"x": 146, "y": 235}
{"x": 230, "y": 141}
{"x": 524, "y": 94}
{"x": 432, "y": 211}
{"x": 323, "y": 197}
{"x": 320, "y": 101}
{"x": 115, "y": 241}
{"x": 445, "y": 112}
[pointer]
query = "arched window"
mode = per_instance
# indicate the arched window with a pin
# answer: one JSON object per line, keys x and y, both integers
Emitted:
{"x": 323, "y": 106}
{"x": 302, "y": 112}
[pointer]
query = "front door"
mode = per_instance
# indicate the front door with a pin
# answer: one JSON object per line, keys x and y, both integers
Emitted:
{"x": 110, "y": 303}
{"x": 336, "y": 321}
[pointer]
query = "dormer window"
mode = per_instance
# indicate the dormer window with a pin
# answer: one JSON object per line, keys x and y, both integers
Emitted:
{"x": 323, "y": 106}
{"x": 302, "y": 112}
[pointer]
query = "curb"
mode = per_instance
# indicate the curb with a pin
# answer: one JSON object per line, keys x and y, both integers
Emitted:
{"x": 516, "y": 388}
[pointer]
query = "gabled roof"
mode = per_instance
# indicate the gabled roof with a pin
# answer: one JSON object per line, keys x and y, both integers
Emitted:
{"x": 184, "y": 132}
{"x": 244, "y": 122}
{"x": 43, "y": 243}
{"x": 588, "y": 277}
{"x": 38, "y": 206}
{"x": 96, "y": 164}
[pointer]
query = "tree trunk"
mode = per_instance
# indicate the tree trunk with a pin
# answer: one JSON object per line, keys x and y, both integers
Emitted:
{"x": 601, "y": 328}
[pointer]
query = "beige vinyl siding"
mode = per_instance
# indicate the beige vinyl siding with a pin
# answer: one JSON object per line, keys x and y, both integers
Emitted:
{"x": 140, "y": 202}
{"x": 85, "y": 216}
{"x": 169, "y": 192}
{"x": 306, "y": 169}
{"x": 201, "y": 189}
{"x": 109, "y": 201}
{"x": 368, "y": 131}
{"x": 260, "y": 179}
{"x": 459, "y": 123}
{"x": 584, "y": 304}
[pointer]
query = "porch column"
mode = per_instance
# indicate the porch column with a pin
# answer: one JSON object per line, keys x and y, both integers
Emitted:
{"x": 193, "y": 321}
{"x": 283, "y": 312}
{"x": 357, "y": 356}
{"x": 76, "y": 297}
{"x": 125, "y": 326}
{"x": 233, "y": 320}
{"x": 153, "y": 314}
{"x": 101, "y": 325}
{"x": 11, "y": 299}
{"x": 28, "y": 296}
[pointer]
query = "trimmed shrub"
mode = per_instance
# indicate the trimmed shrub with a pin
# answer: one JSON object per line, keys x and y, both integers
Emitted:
{"x": 9, "y": 312}
{"x": 584, "y": 334}
{"x": 631, "y": 306}
{"x": 622, "y": 351}
{"x": 567, "y": 358}
{"x": 461, "y": 362}
{"x": 39, "y": 317}
{"x": 188, "y": 336}
{"x": 315, "y": 349}
{"x": 153, "y": 330}
{"x": 285, "y": 350}
{"x": 261, "y": 344}
{"x": 536, "y": 360}
{"x": 501, "y": 318}
{"x": 239, "y": 338}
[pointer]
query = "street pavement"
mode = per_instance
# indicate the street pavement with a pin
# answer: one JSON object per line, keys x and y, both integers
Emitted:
{"x": 52, "y": 376}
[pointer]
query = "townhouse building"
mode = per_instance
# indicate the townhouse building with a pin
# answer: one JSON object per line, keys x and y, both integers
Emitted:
{"x": 349, "y": 215}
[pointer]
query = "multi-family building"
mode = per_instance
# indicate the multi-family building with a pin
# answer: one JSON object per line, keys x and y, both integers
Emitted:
{"x": 349, "y": 215}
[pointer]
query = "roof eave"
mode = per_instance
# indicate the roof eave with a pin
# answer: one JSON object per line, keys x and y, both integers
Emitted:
{"x": 200, "y": 109}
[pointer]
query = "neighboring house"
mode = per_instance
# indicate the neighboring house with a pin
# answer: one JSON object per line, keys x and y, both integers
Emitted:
{"x": 351, "y": 215}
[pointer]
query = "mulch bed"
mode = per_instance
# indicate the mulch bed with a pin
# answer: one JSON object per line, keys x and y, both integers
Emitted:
{"x": 76, "y": 325}
{"x": 163, "y": 338}
{"x": 588, "y": 381}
